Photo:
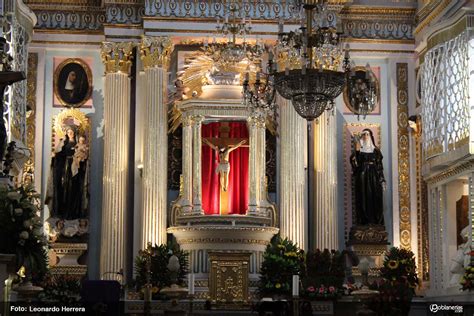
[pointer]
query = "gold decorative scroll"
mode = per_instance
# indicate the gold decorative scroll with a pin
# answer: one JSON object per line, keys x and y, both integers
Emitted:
{"x": 403, "y": 156}
{"x": 117, "y": 57}
{"x": 155, "y": 51}
{"x": 422, "y": 207}
{"x": 29, "y": 167}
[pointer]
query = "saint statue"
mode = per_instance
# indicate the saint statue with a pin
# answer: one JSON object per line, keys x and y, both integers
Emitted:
{"x": 462, "y": 259}
{"x": 369, "y": 181}
{"x": 67, "y": 194}
{"x": 224, "y": 166}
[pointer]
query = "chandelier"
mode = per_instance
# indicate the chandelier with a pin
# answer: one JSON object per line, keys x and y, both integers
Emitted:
{"x": 361, "y": 93}
{"x": 260, "y": 97}
{"x": 315, "y": 55}
{"x": 232, "y": 52}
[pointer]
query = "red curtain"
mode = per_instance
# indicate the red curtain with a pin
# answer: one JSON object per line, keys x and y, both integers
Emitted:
{"x": 210, "y": 178}
{"x": 239, "y": 171}
{"x": 238, "y": 192}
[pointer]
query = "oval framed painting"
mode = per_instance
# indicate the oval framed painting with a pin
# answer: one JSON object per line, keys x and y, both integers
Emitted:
{"x": 73, "y": 82}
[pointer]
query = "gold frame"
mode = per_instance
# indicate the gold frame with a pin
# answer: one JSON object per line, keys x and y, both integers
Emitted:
{"x": 377, "y": 83}
{"x": 88, "y": 72}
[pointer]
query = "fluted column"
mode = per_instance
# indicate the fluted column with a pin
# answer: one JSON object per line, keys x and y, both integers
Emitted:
{"x": 324, "y": 226}
{"x": 255, "y": 122}
{"x": 197, "y": 181}
{"x": 261, "y": 164}
{"x": 293, "y": 218}
{"x": 187, "y": 162}
{"x": 117, "y": 60}
{"x": 155, "y": 54}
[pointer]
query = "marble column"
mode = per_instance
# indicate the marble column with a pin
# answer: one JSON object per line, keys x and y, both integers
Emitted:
{"x": 324, "y": 220}
{"x": 155, "y": 55}
{"x": 117, "y": 58}
{"x": 255, "y": 123}
{"x": 187, "y": 163}
{"x": 293, "y": 209}
{"x": 197, "y": 181}
{"x": 261, "y": 165}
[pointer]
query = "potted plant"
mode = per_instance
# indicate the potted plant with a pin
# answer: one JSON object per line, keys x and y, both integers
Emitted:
{"x": 151, "y": 268}
{"x": 282, "y": 259}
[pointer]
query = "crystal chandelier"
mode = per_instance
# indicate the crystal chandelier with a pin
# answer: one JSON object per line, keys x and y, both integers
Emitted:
{"x": 361, "y": 94}
{"x": 314, "y": 53}
{"x": 232, "y": 52}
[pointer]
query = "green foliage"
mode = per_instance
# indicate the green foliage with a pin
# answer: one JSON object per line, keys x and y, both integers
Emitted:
{"x": 64, "y": 289}
{"x": 398, "y": 284}
{"x": 324, "y": 273}
{"x": 155, "y": 260}
{"x": 21, "y": 230}
{"x": 282, "y": 259}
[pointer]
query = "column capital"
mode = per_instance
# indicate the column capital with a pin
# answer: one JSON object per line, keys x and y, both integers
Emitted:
{"x": 197, "y": 120}
{"x": 186, "y": 120}
{"x": 155, "y": 51}
{"x": 256, "y": 121}
{"x": 117, "y": 57}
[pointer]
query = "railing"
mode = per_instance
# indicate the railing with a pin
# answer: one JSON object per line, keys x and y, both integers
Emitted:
{"x": 260, "y": 10}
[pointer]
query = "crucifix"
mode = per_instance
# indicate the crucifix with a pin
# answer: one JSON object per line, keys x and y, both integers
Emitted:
{"x": 224, "y": 145}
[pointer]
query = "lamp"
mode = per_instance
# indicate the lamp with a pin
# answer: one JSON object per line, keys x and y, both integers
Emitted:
{"x": 316, "y": 80}
{"x": 233, "y": 52}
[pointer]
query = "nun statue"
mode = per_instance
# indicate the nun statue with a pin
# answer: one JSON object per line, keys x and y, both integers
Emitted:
{"x": 369, "y": 181}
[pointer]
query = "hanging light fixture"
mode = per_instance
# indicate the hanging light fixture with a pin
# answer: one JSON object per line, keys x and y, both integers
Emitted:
{"x": 361, "y": 93}
{"x": 315, "y": 79}
{"x": 260, "y": 96}
{"x": 232, "y": 52}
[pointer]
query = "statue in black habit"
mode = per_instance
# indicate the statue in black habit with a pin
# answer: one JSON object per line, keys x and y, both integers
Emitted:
{"x": 67, "y": 194}
{"x": 369, "y": 181}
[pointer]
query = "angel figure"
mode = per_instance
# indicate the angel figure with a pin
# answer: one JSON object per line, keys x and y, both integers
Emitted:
{"x": 224, "y": 166}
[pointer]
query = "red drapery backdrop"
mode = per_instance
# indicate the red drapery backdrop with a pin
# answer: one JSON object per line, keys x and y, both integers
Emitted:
{"x": 238, "y": 193}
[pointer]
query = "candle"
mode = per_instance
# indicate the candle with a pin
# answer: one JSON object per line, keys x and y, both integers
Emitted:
{"x": 296, "y": 285}
{"x": 191, "y": 284}
{"x": 346, "y": 54}
{"x": 280, "y": 26}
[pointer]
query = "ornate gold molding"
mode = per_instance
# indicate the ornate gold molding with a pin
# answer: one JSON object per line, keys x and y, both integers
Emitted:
{"x": 117, "y": 57}
{"x": 31, "y": 111}
{"x": 155, "y": 51}
{"x": 403, "y": 156}
{"x": 453, "y": 171}
{"x": 429, "y": 12}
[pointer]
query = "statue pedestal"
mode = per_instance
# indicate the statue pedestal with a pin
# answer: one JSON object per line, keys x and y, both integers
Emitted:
{"x": 368, "y": 242}
{"x": 64, "y": 258}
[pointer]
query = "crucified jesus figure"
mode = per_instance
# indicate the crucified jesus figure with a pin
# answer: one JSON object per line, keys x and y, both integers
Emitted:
{"x": 224, "y": 166}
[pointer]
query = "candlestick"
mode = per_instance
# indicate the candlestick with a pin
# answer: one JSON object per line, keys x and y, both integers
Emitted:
{"x": 191, "y": 284}
{"x": 296, "y": 285}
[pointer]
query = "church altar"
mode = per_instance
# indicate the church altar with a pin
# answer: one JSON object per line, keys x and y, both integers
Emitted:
{"x": 208, "y": 217}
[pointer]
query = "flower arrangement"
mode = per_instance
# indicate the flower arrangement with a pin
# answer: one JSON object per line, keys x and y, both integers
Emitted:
{"x": 151, "y": 266}
{"x": 467, "y": 281}
{"x": 399, "y": 265}
{"x": 63, "y": 289}
{"x": 324, "y": 274}
{"x": 398, "y": 283}
{"x": 21, "y": 230}
{"x": 282, "y": 259}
